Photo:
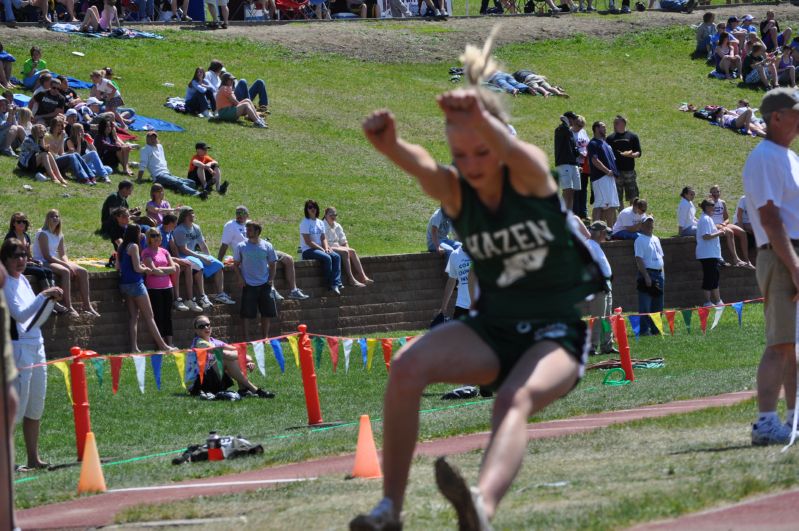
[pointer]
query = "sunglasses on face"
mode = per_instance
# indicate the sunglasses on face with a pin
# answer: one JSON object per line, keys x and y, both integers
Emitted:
{"x": 203, "y": 326}
{"x": 23, "y": 221}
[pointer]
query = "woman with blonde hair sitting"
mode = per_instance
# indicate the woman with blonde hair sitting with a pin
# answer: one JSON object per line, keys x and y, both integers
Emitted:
{"x": 337, "y": 241}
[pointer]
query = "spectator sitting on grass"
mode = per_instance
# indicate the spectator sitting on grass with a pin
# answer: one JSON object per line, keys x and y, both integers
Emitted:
{"x": 749, "y": 43}
{"x": 153, "y": 159}
{"x": 24, "y": 117}
{"x": 726, "y": 60}
{"x": 786, "y": 67}
{"x": 55, "y": 141}
{"x": 191, "y": 246}
{"x": 255, "y": 264}
{"x": 114, "y": 201}
{"x": 34, "y": 156}
{"x": 78, "y": 142}
{"x": 438, "y": 228}
{"x": 229, "y": 109}
{"x": 704, "y": 34}
{"x": 42, "y": 84}
{"x": 686, "y": 213}
{"x": 737, "y": 33}
{"x": 204, "y": 171}
{"x": 157, "y": 206}
{"x": 95, "y": 21}
{"x": 33, "y": 67}
{"x": 211, "y": 382}
{"x": 49, "y": 103}
{"x": 107, "y": 92}
{"x": 721, "y": 218}
{"x": 113, "y": 152}
{"x": 628, "y": 224}
{"x": 742, "y": 220}
{"x": 235, "y": 232}
{"x": 770, "y": 32}
{"x": 200, "y": 95}
{"x": 11, "y": 134}
{"x": 337, "y": 241}
{"x": 122, "y": 218}
{"x": 6, "y": 62}
{"x": 314, "y": 246}
{"x": 68, "y": 92}
{"x": 538, "y": 84}
{"x": 190, "y": 275}
{"x": 760, "y": 68}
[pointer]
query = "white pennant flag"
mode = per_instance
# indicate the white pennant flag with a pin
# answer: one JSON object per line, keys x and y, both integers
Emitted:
{"x": 718, "y": 310}
{"x": 258, "y": 348}
{"x": 141, "y": 366}
{"x": 347, "y": 348}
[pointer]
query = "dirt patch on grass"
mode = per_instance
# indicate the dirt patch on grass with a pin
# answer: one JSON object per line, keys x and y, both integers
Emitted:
{"x": 432, "y": 41}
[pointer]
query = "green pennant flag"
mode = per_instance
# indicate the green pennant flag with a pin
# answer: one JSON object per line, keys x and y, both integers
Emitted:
{"x": 605, "y": 325}
{"x": 220, "y": 368}
{"x": 318, "y": 348}
{"x": 99, "y": 367}
{"x": 401, "y": 342}
{"x": 686, "y": 316}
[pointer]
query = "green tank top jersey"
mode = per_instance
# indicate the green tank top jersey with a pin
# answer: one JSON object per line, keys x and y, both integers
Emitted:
{"x": 528, "y": 262}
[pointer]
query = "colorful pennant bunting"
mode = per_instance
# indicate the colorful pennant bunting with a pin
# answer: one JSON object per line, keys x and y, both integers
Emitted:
{"x": 260, "y": 359}
{"x": 371, "y": 346}
{"x": 332, "y": 345}
{"x": 670, "y": 318}
{"x": 739, "y": 308}
{"x": 62, "y": 366}
{"x": 717, "y": 311}
{"x": 277, "y": 349}
{"x": 155, "y": 362}
{"x": 180, "y": 363}
{"x": 318, "y": 347}
{"x": 294, "y": 349}
{"x": 703, "y": 313}
{"x": 99, "y": 367}
{"x": 116, "y": 369}
{"x": 686, "y": 317}
{"x": 387, "y": 348}
{"x": 347, "y": 343}
{"x": 141, "y": 364}
{"x": 635, "y": 324}
{"x": 657, "y": 320}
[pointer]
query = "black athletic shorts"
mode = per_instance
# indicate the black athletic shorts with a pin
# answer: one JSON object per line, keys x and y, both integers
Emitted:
{"x": 257, "y": 299}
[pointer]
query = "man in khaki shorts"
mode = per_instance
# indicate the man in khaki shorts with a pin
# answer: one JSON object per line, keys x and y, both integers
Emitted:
{"x": 771, "y": 184}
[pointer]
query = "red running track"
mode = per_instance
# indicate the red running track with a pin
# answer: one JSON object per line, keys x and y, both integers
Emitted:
{"x": 99, "y": 510}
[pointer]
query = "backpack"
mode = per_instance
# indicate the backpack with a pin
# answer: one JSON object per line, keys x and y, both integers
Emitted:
{"x": 232, "y": 447}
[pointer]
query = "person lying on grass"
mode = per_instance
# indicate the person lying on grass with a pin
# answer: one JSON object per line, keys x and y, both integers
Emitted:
{"x": 212, "y": 383}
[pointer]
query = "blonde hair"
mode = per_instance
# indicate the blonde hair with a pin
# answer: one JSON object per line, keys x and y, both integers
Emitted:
{"x": 25, "y": 116}
{"x": 478, "y": 65}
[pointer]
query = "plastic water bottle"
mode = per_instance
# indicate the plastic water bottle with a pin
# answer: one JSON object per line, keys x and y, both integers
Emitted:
{"x": 167, "y": 84}
{"x": 214, "y": 447}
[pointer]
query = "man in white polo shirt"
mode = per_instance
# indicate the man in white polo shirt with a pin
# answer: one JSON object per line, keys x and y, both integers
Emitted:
{"x": 771, "y": 185}
{"x": 651, "y": 275}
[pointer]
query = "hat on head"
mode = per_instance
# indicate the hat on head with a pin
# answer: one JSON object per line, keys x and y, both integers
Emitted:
{"x": 152, "y": 133}
{"x": 732, "y": 19}
{"x": 570, "y": 115}
{"x": 93, "y": 101}
{"x": 597, "y": 226}
{"x": 747, "y": 18}
{"x": 779, "y": 99}
{"x": 71, "y": 112}
{"x": 243, "y": 209}
{"x": 202, "y": 145}
{"x": 646, "y": 218}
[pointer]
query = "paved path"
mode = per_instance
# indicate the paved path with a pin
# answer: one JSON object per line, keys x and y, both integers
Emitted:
{"x": 99, "y": 510}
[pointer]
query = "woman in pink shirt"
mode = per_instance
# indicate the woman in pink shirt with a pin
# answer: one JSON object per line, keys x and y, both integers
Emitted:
{"x": 228, "y": 108}
{"x": 159, "y": 283}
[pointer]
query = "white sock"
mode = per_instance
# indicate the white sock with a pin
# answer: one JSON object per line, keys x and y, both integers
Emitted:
{"x": 789, "y": 416}
{"x": 768, "y": 417}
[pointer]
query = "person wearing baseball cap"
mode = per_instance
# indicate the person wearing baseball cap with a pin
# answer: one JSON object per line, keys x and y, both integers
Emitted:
{"x": 747, "y": 24}
{"x": 601, "y": 305}
{"x": 651, "y": 274}
{"x": 771, "y": 187}
{"x": 152, "y": 158}
{"x": 205, "y": 171}
{"x": 566, "y": 158}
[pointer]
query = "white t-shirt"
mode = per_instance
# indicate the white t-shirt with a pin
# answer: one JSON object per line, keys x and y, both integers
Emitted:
{"x": 23, "y": 306}
{"x": 706, "y": 248}
{"x": 335, "y": 234}
{"x": 315, "y": 228}
{"x": 648, "y": 249}
{"x": 53, "y": 242}
{"x": 458, "y": 267}
{"x": 106, "y": 90}
{"x": 153, "y": 158}
{"x": 771, "y": 173}
{"x": 233, "y": 234}
{"x": 686, "y": 214}
{"x": 718, "y": 212}
{"x": 744, "y": 213}
{"x": 599, "y": 257}
{"x": 627, "y": 218}
{"x": 582, "y": 140}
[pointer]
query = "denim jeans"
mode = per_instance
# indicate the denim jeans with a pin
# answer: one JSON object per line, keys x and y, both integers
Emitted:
{"x": 331, "y": 265}
{"x": 673, "y": 5}
{"x": 651, "y": 304}
{"x": 92, "y": 159}
{"x": 624, "y": 235}
{"x": 9, "y": 5}
{"x": 507, "y": 83}
{"x": 79, "y": 168}
{"x": 182, "y": 186}
{"x": 447, "y": 245}
{"x": 146, "y": 9}
{"x": 199, "y": 103}
{"x": 256, "y": 89}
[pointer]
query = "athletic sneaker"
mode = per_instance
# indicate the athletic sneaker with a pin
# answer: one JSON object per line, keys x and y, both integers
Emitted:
{"x": 770, "y": 432}
{"x": 468, "y": 503}
{"x": 380, "y": 519}
{"x": 297, "y": 294}
{"x": 224, "y": 298}
{"x": 180, "y": 305}
{"x": 275, "y": 295}
{"x": 263, "y": 393}
{"x": 40, "y": 177}
{"x": 193, "y": 306}
{"x": 261, "y": 124}
{"x": 205, "y": 302}
{"x": 223, "y": 187}
{"x": 8, "y": 152}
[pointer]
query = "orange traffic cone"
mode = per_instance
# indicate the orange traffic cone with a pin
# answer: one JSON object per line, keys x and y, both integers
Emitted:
{"x": 367, "y": 465}
{"x": 91, "y": 473}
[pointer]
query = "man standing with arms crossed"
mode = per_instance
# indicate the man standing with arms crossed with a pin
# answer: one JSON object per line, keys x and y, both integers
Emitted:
{"x": 771, "y": 184}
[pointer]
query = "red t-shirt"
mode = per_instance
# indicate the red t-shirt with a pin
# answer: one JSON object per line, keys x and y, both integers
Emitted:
{"x": 205, "y": 159}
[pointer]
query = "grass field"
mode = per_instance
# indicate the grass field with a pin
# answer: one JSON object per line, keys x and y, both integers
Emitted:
{"x": 314, "y": 147}
{"x": 131, "y": 425}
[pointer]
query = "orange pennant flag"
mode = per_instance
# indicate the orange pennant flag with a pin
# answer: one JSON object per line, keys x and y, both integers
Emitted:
{"x": 202, "y": 356}
{"x": 386, "y": 343}
{"x": 116, "y": 369}
{"x": 670, "y": 318}
{"x": 703, "y": 313}
{"x": 241, "y": 349}
{"x": 591, "y": 321}
{"x": 332, "y": 343}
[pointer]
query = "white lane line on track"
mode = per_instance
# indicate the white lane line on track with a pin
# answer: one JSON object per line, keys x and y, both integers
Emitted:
{"x": 212, "y": 484}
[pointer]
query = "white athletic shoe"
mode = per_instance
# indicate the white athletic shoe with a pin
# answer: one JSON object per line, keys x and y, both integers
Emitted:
{"x": 224, "y": 298}
{"x": 193, "y": 306}
{"x": 468, "y": 502}
{"x": 180, "y": 306}
{"x": 205, "y": 302}
{"x": 765, "y": 433}
{"x": 297, "y": 294}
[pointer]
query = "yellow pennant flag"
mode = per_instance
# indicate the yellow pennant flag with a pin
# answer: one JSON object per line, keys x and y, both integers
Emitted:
{"x": 62, "y": 366}
{"x": 293, "y": 344}
{"x": 371, "y": 346}
{"x": 180, "y": 361}
{"x": 657, "y": 320}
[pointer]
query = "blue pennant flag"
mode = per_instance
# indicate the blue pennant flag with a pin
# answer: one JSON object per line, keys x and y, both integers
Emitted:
{"x": 635, "y": 324}
{"x": 739, "y": 308}
{"x": 155, "y": 361}
{"x": 278, "y": 350}
{"x": 364, "y": 349}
